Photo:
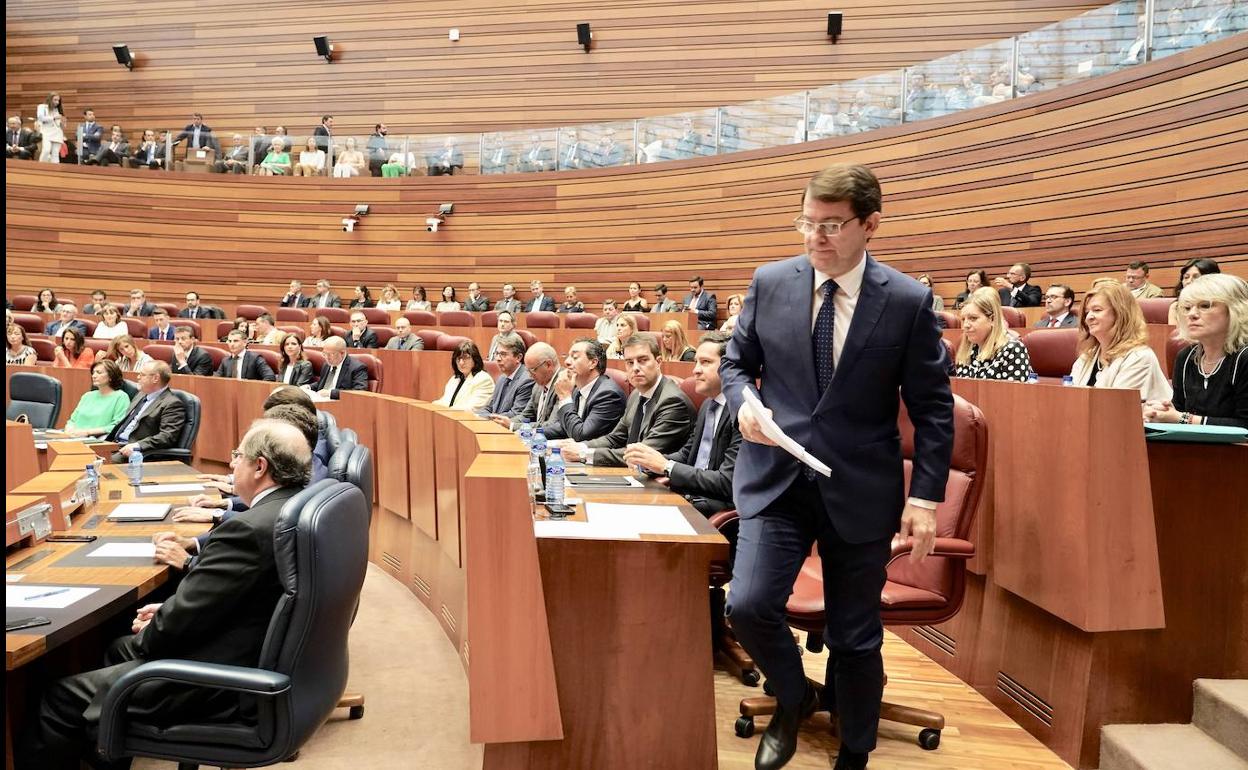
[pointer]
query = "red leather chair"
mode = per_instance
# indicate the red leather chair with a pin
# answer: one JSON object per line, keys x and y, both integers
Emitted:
{"x": 99, "y": 346}
{"x": 32, "y": 323}
{"x": 489, "y": 318}
{"x": 530, "y": 339}
{"x": 339, "y": 331}
{"x": 23, "y": 301}
{"x": 374, "y": 370}
{"x": 429, "y": 336}
{"x": 298, "y": 331}
{"x": 194, "y": 326}
{"x": 169, "y": 308}
{"x": 223, "y": 328}
{"x": 450, "y": 341}
{"x": 643, "y": 321}
{"x": 1157, "y": 310}
{"x": 421, "y": 318}
{"x": 217, "y": 355}
{"x": 136, "y": 328}
{"x": 579, "y": 321}
{"x": 1174, "y": 346}
{"x": 160, "y": 351}
{"x": 456, "y": 318}
{"x": 620, "y": 379}
{"x": 951, "y": 319}
{"x": 1014, "y": 317}
{"x": 270, "y": 357}
{"x": 87, "y": 322}
{"x": 335, "y": 315}
{"x": 1052, "y": 351}
{"x": 542, "y": 319}
{"x": 251, "y": 312}
{"x": 44, "y": 349}
{"x": 374, "y": 315}
{"x": 927, "y": 593}
{"x": 493, "y": 369}
{"x": 384, "y": 333}
{"x": 688, "y": 385}
{"x": 317, "y": 358}
{"x": 291, "y": 314}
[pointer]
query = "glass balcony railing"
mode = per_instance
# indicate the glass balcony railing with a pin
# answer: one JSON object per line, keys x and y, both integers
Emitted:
{"x": 1100, "y": 41}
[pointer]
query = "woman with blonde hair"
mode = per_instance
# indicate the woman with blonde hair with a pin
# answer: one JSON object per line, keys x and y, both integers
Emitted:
{"x": 625, "y": 327}
{"x": 1113, "y": 345}
{"x": 350, "y": 162}
{"x": 390, "y": 300}
{"x": 127, "y": 355}
{"x": 1210, "y": 376}
{"x": 987, "y": 351}
{"x": 675, "y": 345}
{"x": 736, "y": 302}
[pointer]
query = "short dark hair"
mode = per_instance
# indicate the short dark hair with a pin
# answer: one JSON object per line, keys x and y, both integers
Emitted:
{"x": 853, "y": 183}
{"x": 469, "y": 347}
{"x": 513, "y": 343}
{"x": 594, "y": 350}
{"x": 1138, "y": 265}
{"x": 719, "y": 338}
{"x": 192, "y": 291}
{"x": 643, "y": 340}
{"x": 660, "y": 289}
{"x": 698, "y": 280}
{"x": 507, "y": 313}
{"x": 184, "y": 330}
{"x": 326, "y": 117}
{"x": 1067, "y": 292}
{"x": 115, "y": 379}
{"x": 160, "y": 311}
{"x": 265, "y": 317}
{"x": 298, "y": 416}
{"x": 101, "y": 292}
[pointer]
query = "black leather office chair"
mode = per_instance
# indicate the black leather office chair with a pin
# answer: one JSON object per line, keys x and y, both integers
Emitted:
{"x": 321, "y": 549}
{"x": 190, "y": 430}
{"x": 328, "y": 426}
{"x": 35, "y": 395}
{"x": 354, "y": 463}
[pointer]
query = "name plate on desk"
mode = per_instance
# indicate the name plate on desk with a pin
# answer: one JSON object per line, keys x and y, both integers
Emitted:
{"x": 35, "y": 520}
{"x": 200, "y": 154}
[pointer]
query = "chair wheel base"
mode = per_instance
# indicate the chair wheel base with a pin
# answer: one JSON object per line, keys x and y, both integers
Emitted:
{"x": 744, "y": 727}
{"x": 751, "y": 677}
{"x": 929, "y": 739}
{"x": 355, "y": 712}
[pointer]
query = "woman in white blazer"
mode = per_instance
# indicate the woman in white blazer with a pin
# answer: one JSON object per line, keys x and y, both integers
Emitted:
{"x": 470, "y": 386}
{"x": 51, "y": 119}
{"x": 1113, "y": 346}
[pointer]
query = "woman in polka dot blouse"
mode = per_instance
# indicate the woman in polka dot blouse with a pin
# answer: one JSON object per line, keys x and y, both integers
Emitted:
{"x": 987, "y": 351}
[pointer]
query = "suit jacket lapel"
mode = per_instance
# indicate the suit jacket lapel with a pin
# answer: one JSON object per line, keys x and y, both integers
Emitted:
{"x": 872, "y": 299}
{"x": 799, "y": 295}
{"x": 723, "y": 436}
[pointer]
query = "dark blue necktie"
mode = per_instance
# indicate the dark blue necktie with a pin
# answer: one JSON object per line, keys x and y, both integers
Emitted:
{"x": 822, "y": 339}
{"x": 703, "y": 459}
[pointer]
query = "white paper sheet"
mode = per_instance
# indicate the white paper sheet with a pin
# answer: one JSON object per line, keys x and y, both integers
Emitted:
{"x": 772, "y": 431}
{"x": 124, "y": 551}
{"x": 170, "y": 489}
{"x": 632, "y": 521}
{"x": 566, "y": 528}
{"x": 139, "y": 512}
{"x": 44, "y": 597}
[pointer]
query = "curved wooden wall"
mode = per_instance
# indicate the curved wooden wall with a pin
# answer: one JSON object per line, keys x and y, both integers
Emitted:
{"x": 517, "y": 65}
{"x": 1149, "y": 163}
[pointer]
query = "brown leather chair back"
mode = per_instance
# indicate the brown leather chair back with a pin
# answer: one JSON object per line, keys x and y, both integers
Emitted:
{"x": 32, "y": 323}
{"x": 542, "y": 319}
{"x": 429, "y": 337}
{"x": 643, "y": 321}
{"x": 194, "y": 326}
{"x": 291, "y": 314}
{"x": 372, "y": 315}
{"x": 688, "y": 385}
{"x": 335, "y": 315}
{"x": 456, "y": 318}
{"x": 384, "y": 333}
{"x": 160, "y": 352}
{"x": 449, "y": 341}
{"x": 579, "y": 320}
{"x": 530, "y": 339}
{"x": 374, "y": 370}
{"x": 317, "y": 358}
{"x": 421, "y": 318}
{"x": 1052, "y": 351}
{"x": 1157, "y": 310}
{"x": 251, "y": 312}
{"x": 1014, "y": 317}
{"x": 45, "y": 349}
{"x": 620, "y": 379}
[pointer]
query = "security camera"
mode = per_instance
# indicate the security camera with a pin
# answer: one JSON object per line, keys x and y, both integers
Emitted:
{"x": 431, "y": 224}
{"x": 348, "y": 224}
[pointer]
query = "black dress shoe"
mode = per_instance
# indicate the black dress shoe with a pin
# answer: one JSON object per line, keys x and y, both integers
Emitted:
{"x": 850, "y": 760}
{"x": 779, "y": 741}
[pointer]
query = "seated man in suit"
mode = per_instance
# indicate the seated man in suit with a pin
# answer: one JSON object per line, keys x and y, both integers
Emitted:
{"x": 156, "y": 415}
{"x": 509, "y": 301}
{"x": 187, "y": 358}
{"x": 361, "y": 336}
{"x": 661, "y": 303}
{"x": 604, "y": 327}
{"x": 1136, "y": 279}
{"x": 506, "y": 324}
{"x": 538, "y": 299}
{"x": 476, "y": 301}
{"x": 151, "y": 153}
{"x": 266, "y": 332}
{"x": 139, "y": 307}
{"x": 702, "y": 302}
{"x": 220, "y": 613}
{"x": 403, "y": 338}
{"x": 340, "y": 372}
{"x": 323, "y": 297}
{"x": 658, "y": 413}
{"x": 538, "y": 157}
{"x": 99, "y": 299}
{"x": 590, "y": 403}
{"x": 67, "y": 316}
{"x": 1014, "y": 289}
{"x": 294, "y": 295}
{"x": 497, "y": 157}
{"x": 162, "y": 330}
{"x": 115, "y": 150}
{"x": 701, "y": 470}
{"x": 447, "y": 160}
{"x": 234, "y": 159}
{"x": 194, "y": 309}
{"x": 514, "y": 386}
{"x": 542, "y": 364}
{"x": 1058, "y": 303}
{"x": 241, "y": 363}
{"x": 20, "y": 142}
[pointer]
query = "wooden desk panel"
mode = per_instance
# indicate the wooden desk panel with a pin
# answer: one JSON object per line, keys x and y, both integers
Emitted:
{"x": 447, "y": 473}
{"x": 422, "y": 504}
{"x": 400, "y": 372}
{"x": 392, "y": 438}
{"x": 218, "y": 427}
{"x": 21, "y": 461}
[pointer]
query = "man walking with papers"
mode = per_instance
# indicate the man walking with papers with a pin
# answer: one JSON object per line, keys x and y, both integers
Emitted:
{"x": 873, "y": 338}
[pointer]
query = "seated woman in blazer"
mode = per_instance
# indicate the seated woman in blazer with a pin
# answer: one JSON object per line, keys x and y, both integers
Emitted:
{"x": 295, "y": 368}
{"x": 1211, "y": 376}
{"x": 470, "y": 386}
{"x": 987, "y": 351}
{"x": 1113, "y": 345}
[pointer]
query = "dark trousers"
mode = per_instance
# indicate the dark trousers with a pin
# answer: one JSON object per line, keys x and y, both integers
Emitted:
{"x": 771, "y": 548}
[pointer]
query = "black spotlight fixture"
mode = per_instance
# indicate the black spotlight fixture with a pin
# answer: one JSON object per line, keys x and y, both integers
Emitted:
{"x": 834, "y": 25}
{"x": 124, "y": 57}
{"x": 324, "y": 48}
{"x": 583, "y": 36}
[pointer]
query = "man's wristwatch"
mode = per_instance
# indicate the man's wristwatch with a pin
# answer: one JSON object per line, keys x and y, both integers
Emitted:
{"x": 667, "y": 469}
{"x": 187, "y": 564}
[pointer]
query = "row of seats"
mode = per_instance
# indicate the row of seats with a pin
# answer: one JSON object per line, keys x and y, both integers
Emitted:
{"x": 1156, "y": 311}
{"x": 538, "y": 319}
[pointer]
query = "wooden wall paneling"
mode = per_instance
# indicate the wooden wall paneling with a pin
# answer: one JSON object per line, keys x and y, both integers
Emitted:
{"x": 21, "y": 462}
{"x": 421, "y": 500}
{"x": 400, "y": 372}
{"x": 392, "y": 443}
{"x": 447, "y": 475}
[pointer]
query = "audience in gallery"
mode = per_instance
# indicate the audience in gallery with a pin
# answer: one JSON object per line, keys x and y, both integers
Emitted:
{"x": 45, "y": 302}
{"x": 419, "y": 300}
{"x": 99, "y": 410}
{"x": 1211, "y": 375}
{"x": 701, "y": 471}
{"x": 67, "y": 316}
{"x": 293, "y": 367}
{"x": 448, "y": 302}
{"x": 277, "y": 161}
{"x": 341, "y": 371}
{"x": 403, "y": 338}
{"x": 735, "y": 303}
{"x": 1190, "y": 272}
{"x": 625, "y": 329}
{"x": 635, "y": 302}
{"x": 115, "y": 150}
{"x": 360, "y": 335}
{"x": 1136, "y": 279}
{"x": 657, "y": 414}
{"x": 294, "y": 295}
{"x": 390, "y": 301}
{"x": 675, "y": 344}
{"x": 509, "y": 301}
{"x": 73, "y": 352}
{"x": 363, "y": 297}
{"x": 266, "y": 333}
{"x": 1113, "y": 345}
{"x": 20, "y": 143}
{"x": 311, "y": 159}
{"x": 604, "y": 327}
{"x": 514, "y": 386}
{"x": 187, "y": 357}
{"x": 938, "y": 304}
{"x": 470, "y": 386}
{"x": 1059, "y": 303}
{"x": 162, "y": 330}
{"x": 318, "y": 331}
{"x": 110, "y": 325}
{"x": 589, "y": 402}
{"x": 661, "y": 303}
{"x": 243, "y": 364}
{"x": 976, "y": 279}
{"x": 125, "y": 353}
{"x": 351, "y": 161}
{"x": 570, "y": 303}
{"x": 476, "y": 302}
{"x": 506, "y": 330}
{"x": 1014, "y": 288}
{"x": 19, "y": 350}
{"x": 987, "y": 351}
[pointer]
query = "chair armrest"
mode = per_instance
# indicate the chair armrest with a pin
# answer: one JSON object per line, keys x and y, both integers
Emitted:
{"x": 113, "y": 721}
{"x": 718, "y": 520}
{"x": 947, "y": 547}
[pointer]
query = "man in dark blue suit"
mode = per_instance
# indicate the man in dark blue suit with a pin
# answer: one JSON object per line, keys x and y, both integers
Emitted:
{"x": 874, "y": 339}
{"x": 538, "y": 299}
{"x": 341, "y": 371}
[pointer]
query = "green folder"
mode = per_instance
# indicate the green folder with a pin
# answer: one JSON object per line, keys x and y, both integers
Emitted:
{"x": 1194, "y": 434}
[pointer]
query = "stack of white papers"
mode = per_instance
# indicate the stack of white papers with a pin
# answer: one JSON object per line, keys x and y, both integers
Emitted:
{"x": 44, "y": 597}
{"x": 124, "y": 551}
{"x": 619, "y": 522}
{"x": 139, "y": 512}
{"x": 772, "y": 431}
{"x": 169, "y": 489}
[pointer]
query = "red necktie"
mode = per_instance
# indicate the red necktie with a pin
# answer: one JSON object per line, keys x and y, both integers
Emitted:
{"x": 1052, "y": 323}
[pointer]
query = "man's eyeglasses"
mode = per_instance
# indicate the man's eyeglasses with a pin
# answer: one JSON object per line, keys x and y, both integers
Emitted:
{"x": 1055, "y": 296}
{"x": 235, "y": 454}
{"x": 827, "y": 229}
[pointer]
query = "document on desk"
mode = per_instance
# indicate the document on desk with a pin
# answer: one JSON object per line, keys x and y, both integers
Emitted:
{"x": 30, "y": 597}
{"x": 772, "y": 431}
{"x": 140, "y": 512}
{"x": 633, "y": 521}
{"x": 124, "y": 551}
{"x": 156, "y": 490}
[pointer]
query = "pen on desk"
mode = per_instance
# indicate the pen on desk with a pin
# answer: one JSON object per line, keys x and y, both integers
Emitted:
{"x": 46, "y": 594}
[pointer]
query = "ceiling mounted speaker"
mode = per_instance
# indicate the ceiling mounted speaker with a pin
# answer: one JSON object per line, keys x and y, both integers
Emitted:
{"x": 583, "y": 36}
{"x": 324, "y": 48}
{"x": 834, "y": 25}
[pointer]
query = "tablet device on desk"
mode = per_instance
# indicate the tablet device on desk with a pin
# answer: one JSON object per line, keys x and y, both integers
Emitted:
{"x": 603, "y": 481}
{"x": 1194, "y": 434}
{"x": 140, "y": 512}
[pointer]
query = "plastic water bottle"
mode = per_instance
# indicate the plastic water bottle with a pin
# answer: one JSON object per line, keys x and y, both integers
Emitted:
{"x": 554, "y": 477}
{"x": 534, "y": 475}
{"x": 526, "y": 435}
{"x": 1068, "y": 381}
{"x": 93, "y": 484}
{"x": 1033, "y": 379}
{"x": 539, "y": 442}
{"x": 135, "y": 469}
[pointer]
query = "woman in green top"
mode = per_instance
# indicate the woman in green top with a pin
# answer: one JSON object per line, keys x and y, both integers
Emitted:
{"x": 277, "y": 162}
{"x": 100, "y": 409}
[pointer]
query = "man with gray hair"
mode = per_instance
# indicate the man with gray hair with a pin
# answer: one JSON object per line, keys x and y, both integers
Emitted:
{"x": 156, "y": 416}
{"x": 220, "y": 612}
{"x": 19, "y": 142}
{"x": 341, "y": 372}
{"x": 542, "y": 363}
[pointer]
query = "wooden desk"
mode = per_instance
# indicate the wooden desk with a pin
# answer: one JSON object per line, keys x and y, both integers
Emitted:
{"x": 21, "y": 463}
